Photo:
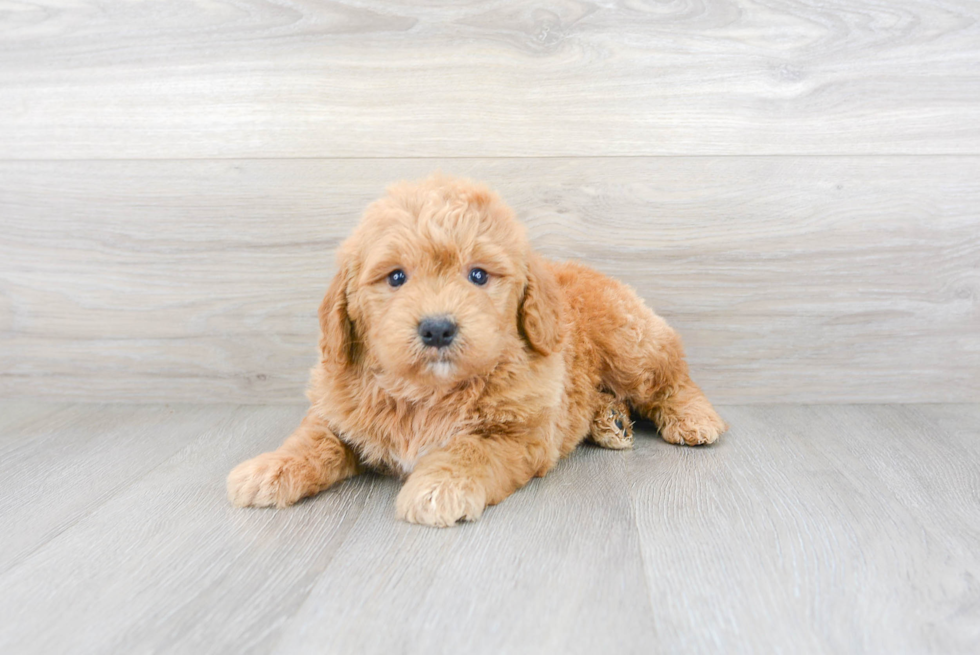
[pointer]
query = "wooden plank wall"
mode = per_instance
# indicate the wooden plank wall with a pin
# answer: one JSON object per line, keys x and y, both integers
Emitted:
{"x": 794, "y": 184}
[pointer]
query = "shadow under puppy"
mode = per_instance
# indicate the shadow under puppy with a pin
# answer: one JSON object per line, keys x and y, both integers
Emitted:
{"x": 457, "y": 358}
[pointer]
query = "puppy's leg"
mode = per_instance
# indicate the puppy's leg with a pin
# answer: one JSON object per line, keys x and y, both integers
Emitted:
{"x": 644, "y": 363}
{"x": 459, "y": 481}
{"x": 309, "y": 461}
{"x": 683, "y": 415}
{"x": 612, "y": 427}
{"x": 667, "y": 395}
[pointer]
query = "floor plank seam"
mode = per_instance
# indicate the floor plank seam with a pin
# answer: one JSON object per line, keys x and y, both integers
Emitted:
{"x": 297, "y": 609}
{"x": 103, "y": 500}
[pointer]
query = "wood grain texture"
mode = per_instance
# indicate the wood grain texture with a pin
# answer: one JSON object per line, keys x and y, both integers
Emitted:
{"x": 111, "y": 449}
{"x": 381, "y": 78}
{"x": 145, "y": 569}
{"x": 840, "y": 524}
{"x": 805, "y": 530}
{"x": 790, "y": 279}
{"x": 523, "y": 579}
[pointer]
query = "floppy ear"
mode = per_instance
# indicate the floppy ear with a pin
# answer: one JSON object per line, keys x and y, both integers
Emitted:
{"x": 540, "y": 314}
{"x": 336, "y": 329}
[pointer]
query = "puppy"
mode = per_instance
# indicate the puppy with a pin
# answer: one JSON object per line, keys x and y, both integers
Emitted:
{"x": 457, "y": 358}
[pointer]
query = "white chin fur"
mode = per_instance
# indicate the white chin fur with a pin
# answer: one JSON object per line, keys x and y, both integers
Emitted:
{"x": 441, "y": 369}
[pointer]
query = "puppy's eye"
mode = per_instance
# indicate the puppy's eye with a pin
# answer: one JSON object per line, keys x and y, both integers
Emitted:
{"x": 397, "y": 278}
{"x": 479, "y": 277}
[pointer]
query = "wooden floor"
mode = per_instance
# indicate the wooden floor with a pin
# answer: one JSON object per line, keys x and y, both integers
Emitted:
{"x": 807, "y": 529}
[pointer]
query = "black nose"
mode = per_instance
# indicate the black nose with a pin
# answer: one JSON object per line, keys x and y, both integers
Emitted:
{"x": 438, "y": 332}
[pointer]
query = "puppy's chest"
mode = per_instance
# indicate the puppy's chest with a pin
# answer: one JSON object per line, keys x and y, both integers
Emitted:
{"x": 395, "y": 441}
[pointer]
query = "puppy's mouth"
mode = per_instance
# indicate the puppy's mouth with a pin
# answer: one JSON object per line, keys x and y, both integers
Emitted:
{"x": 441, "y": 362}
{"x": 443, "y": 369}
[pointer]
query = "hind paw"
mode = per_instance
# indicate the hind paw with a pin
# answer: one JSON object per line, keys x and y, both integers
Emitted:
{"x": 612, "y": 427}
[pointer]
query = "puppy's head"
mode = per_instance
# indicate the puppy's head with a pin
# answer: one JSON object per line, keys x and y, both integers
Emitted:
{"x": 437, "y": 285}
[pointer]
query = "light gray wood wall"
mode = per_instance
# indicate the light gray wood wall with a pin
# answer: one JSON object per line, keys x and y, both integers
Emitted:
{"x": 794, "y": 185}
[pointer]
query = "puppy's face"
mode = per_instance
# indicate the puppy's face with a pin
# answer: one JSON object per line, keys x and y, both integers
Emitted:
{"x": 436, "y": 293}
{"x": 436, "y": 283}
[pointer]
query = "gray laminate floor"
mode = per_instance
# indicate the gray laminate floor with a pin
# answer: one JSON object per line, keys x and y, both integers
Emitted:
{"x": 807, "y": 529}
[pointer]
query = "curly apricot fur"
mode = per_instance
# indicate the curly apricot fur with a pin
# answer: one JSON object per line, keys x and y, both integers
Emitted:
{"x": 543, "y": 352}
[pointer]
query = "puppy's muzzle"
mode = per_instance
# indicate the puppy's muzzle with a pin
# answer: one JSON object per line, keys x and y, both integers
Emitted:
{"x": 437, "y": 331}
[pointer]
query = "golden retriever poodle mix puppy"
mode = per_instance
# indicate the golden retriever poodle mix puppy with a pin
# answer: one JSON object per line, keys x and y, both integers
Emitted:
{"x": 454, "y": 356}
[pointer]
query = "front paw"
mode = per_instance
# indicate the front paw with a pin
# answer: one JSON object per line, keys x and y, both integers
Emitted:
{"x": 440, "y": 500}
{"x": 271, "y": 479}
